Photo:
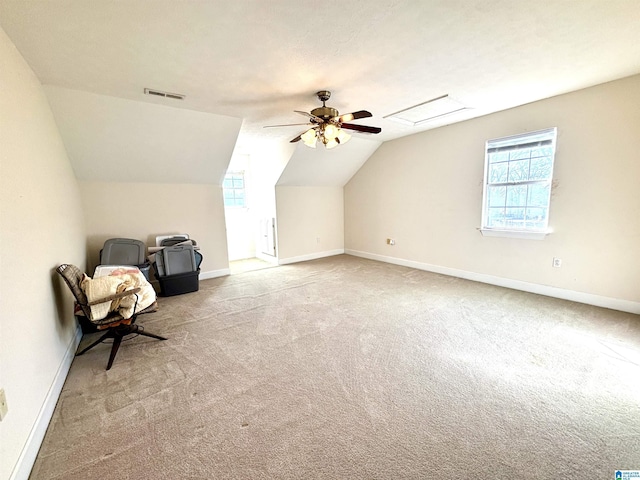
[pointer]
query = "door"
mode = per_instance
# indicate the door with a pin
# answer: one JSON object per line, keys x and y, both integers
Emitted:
{"x": 268, "y": 236}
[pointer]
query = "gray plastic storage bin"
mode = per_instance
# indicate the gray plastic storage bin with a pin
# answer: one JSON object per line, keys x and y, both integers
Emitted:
{"x": 179, "y": 259}
{"x": 178, "y": 283}
{"x": 125, "y": 251}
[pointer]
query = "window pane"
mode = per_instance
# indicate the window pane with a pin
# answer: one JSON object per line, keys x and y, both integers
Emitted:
{"x": 538, "y": 195}
{"x": 520, "y": 153}
{"x": 518, "y": 180}
{"x": 519, "y": 171}
{"x": 238, "y": 182}
{"x": 495, "y": 217}
{"x": 539, "y": 152}
{"x": 497, "y": 196}
{"x": 546, "y": 151}
{"x": 498, "y": 172}
{"x": 498, "y": 157}
{"x": 514, "y": 218}
{"x": 516, "y": 195}
{"x": 233, "y": 190}
{"x": 540, "y": 168}
{"x": 536, "y": 215}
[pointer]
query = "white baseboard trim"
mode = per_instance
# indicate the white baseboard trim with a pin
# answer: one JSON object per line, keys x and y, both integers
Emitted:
{"x": 549, "y": 291}
{"x": 214, "y": 273}
{"x": 23, "y": 466}
{"x": 310, "y": 256}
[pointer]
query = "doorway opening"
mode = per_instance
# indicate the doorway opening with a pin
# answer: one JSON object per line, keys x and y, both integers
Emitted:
{"x": 250, "y": 237}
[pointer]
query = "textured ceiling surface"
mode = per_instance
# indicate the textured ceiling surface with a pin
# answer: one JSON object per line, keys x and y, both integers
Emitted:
{"x": 259, "y": 60}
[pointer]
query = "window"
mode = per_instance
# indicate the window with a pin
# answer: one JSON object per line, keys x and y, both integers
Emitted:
{"x": 517, "y": 186}
{"x": 233, "y": 189}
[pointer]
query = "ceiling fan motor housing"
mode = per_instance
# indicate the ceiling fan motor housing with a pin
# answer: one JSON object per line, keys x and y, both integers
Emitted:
{"x": 325, "y": 112}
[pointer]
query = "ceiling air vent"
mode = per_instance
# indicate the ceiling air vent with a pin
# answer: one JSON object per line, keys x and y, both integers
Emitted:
{"x": 159, "y": 93}
{"x": 427, "y": 111}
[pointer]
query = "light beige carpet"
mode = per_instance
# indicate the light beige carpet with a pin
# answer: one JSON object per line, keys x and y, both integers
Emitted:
{"x": 345, "y": 368}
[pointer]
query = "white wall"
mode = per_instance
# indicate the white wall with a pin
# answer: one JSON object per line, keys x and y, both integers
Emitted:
{"x": 144, "y": 210}
{"x": 241, "y": 222}
{"x": 41, "y": 226}
{"x": 425, "y": 191}
{"x": 242, "y": 230}
{"x": 319, "y": 167}
{"x": 310, "y": 222}
{"x": 111, "y": 139}
{"x": 266, "y": 168}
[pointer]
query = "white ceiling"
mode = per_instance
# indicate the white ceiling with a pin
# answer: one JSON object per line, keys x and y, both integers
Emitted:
{"x": 259, "y": 60}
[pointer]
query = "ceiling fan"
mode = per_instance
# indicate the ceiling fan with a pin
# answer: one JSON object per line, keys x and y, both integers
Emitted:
{"x": 327, "y": 125}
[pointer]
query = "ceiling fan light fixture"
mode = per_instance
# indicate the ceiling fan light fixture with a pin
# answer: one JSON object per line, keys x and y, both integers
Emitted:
{"x": 330, "y": 131}
{"x": 332, "y": 143}
{"x": 309, "y": 138}
{"x": 343, "y": 137}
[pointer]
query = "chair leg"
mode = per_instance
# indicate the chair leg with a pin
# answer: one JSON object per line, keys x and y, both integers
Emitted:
{"x": 117, "y": 339}
{"x": 139, "y": 331}
{"x": 103, "y": 337}
{"x": 118, "y": 334}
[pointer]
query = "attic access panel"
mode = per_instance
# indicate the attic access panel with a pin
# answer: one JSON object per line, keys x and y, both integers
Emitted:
{"x": 426, "y": 111}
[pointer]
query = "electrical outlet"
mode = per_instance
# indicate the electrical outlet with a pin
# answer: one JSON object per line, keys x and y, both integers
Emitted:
{"x": 3, "y": 404}
{"x": 557, "y": 262}
{"x": 391, "y": 241}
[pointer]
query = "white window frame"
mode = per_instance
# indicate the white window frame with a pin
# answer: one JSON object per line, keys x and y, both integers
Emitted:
{"x": 546, "y": 137}
{"x": 234, "y": 189}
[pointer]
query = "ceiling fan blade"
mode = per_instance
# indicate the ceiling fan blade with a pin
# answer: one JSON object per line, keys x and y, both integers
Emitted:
{"x": 312, "y": 117}
{"x": 347, "y": 117}
{"x": 287, "y": 125}
{"x": 361, "y": 128}
{"x": 297, "y": 139}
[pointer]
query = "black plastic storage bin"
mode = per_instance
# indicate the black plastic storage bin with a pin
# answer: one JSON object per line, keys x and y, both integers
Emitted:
{"x": 178, "y": 284}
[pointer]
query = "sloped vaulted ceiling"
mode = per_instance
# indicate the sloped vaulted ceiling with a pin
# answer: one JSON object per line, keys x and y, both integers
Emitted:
{"x": 118, "y": 140}
{"x": 327, "y": 168}
{"x": 260, "y": 60}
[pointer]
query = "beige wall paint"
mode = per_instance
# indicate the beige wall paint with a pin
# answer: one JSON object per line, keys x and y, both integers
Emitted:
{"x": 310, "y": 221}
{"x": 41, "y": 226}
{"x": 425, "y": 191}
{"x": 144, "y": 210}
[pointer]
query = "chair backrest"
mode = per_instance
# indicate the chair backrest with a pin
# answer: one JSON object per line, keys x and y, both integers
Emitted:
{"x": 72, "y": 276}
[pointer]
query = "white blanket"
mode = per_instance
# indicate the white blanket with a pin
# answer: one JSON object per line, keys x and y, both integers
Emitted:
{"x": 101, "y": 287}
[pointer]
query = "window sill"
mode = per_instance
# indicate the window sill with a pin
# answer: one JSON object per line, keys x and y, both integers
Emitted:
{"x": 490, "y": 232}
